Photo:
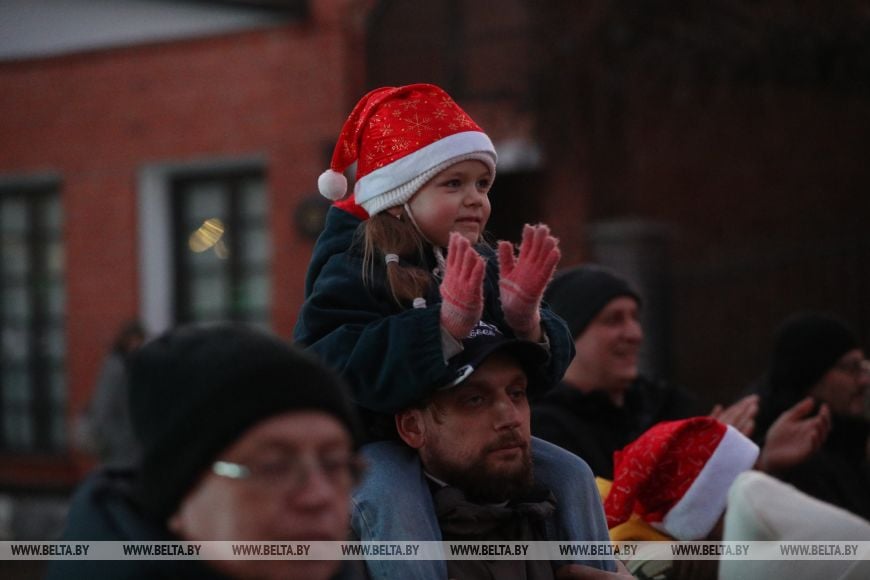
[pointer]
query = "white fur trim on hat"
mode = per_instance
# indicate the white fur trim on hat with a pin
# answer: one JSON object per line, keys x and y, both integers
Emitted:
{"x": 695, "y": 514}
{"x": 396, "y": 183}
{"x": 332, "y": 185}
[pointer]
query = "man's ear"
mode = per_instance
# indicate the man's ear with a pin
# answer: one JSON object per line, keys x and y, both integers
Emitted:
{"x": 411, "y": 428}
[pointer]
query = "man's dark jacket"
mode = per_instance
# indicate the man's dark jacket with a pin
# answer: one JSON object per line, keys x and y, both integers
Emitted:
{"x": 592, "y": 427}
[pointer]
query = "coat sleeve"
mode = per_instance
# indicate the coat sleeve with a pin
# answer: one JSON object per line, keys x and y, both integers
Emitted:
{"x": 390, "y": 357}
{"x": 561, "y": 346}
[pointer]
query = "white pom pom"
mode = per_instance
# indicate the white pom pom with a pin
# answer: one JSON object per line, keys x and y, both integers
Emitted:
{"x": 332, "y": 185}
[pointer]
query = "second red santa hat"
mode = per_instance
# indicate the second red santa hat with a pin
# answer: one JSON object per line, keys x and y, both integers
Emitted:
{"x": 677, "y": 474}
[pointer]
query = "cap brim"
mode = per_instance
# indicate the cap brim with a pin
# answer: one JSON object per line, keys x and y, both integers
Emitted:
{"x": 530, "y": 355}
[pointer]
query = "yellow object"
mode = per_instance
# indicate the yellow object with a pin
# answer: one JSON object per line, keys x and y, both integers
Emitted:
{"x": 635, "y": 529}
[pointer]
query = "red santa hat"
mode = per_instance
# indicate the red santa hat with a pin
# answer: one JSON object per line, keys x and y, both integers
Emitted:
{"x": 677, "y": 474}
{"x": 401, "y": 137}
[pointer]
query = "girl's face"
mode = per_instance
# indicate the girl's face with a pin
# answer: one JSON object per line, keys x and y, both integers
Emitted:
{"x": 455, "y": 200}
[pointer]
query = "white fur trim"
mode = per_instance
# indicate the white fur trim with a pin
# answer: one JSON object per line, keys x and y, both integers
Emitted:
{"x": 332, "y": 185}
{"x": 694, "y": 516}
{"x": 396, "y": 183}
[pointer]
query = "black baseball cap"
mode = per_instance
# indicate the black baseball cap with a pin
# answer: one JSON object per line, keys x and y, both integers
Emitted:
{"x": 484, "y": 340}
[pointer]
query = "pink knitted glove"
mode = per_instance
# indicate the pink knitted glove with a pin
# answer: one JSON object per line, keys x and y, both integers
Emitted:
{"x": 461, "y": 288}
{"x": 522, "y": 281}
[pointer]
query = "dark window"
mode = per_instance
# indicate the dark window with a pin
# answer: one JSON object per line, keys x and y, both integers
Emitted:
{"x": 32, "y": 304}
{"x": 222, "y": 248}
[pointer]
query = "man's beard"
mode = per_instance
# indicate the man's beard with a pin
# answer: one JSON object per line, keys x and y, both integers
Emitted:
{"x": 482, "y": 482}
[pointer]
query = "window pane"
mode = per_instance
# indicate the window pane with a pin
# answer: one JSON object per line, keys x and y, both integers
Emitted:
{"x": 15, "y": 345}
{"x": 223, "y": 256}
{"x": 13, "y": 255}
{"x": 32, "y": 371}
{"x": 16, "y": 302}
{"x": 16, "y": 387}
{"x": 252, "y": 201}
{"x": 208, "y": 296}
{"x": 204, "y": 200}
{"x": 255, "y": 246}
{"x": 13, "y": 215}
{"x": 16, "y": 409}
{"x": 256, "y": 293}
{"x": 17, "y": 432}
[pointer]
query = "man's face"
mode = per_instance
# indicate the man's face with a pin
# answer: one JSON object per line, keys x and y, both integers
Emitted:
{"x": 845, "y": 384}
{"x": 476, "y": 436}
{"x": 278, "y": 500}
{"x": 607, "y": 351}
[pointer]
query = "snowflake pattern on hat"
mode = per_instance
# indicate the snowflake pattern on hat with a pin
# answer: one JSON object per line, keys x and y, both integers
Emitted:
{"x": 398, "y": 137}
{"x": 676, "y": 475}
{"x": 652, "y": 473}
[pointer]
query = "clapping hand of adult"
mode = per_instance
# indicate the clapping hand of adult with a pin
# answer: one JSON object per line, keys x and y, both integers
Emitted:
{"x": 462, "y": 288}
{"x": 740, "y": 415}
{"x": 522, "y": 279}
{"x": 795, "y": 436}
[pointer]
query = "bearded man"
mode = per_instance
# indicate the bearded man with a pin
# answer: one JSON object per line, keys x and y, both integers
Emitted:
{"x": 472, "y": 441}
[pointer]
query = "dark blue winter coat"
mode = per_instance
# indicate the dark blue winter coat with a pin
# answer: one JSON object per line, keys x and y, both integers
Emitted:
{"x": 102, "y": 509}
{"x": 391, "y": 355}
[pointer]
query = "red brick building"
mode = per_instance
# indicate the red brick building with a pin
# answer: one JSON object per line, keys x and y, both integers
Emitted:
{"x": 112, "y": 156}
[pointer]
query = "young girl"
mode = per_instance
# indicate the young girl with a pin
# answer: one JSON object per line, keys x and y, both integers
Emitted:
{"x": 388, "y": 309}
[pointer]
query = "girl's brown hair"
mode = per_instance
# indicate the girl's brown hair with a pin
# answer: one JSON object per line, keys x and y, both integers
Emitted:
{"x": 384, "y": 234}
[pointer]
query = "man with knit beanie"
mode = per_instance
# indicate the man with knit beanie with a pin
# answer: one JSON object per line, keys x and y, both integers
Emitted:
{"x": 604, "y": 402}
{"x": 244, "y": 438}
{"x": 817, "y": 355}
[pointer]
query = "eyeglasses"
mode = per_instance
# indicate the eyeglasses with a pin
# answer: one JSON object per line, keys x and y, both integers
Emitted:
{"x": 856, "y": 368}
{"x": 342, "y": 471}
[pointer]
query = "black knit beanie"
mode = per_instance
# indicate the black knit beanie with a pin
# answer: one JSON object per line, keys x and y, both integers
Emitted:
{"x": 196, "y": 389}
{"x": 578, "y": 294}
{"x": 807, "y": 345}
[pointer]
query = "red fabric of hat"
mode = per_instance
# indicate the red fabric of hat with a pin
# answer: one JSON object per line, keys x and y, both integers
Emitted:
{"x": 349, "y": 205}
{"x": 400, "y": 137}
{"x": 677, "y": 474}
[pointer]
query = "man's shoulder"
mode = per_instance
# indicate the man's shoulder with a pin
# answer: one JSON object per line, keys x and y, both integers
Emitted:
{"x": 103, "y": 509}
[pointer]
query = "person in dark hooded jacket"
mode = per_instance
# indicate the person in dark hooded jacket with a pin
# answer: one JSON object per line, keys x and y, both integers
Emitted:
{"x": 817, "y": 355}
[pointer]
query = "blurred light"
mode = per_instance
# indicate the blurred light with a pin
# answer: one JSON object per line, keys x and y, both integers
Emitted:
{"x": 208, "y": 235}
{"x": 221, "y": 250}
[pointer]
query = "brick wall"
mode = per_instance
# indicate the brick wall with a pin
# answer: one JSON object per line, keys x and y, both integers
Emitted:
{"x": 96, "y": 118}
